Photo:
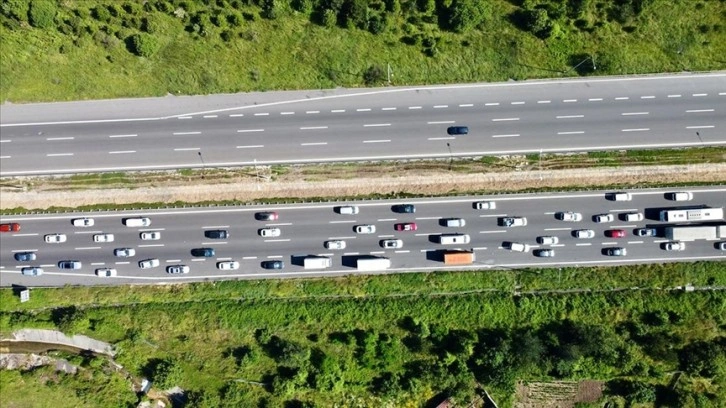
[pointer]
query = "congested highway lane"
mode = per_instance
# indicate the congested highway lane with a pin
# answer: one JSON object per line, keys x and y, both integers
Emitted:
{"x": 305, "y": 227}
{"x": 506, "y": 118}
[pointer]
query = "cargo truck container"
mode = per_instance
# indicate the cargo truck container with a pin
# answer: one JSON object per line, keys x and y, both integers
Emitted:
{"x": 459, "y": 257}
{"x": 694, "y": 232}
{"x": 317, "y": 262}
{"x": 373, "y": 263}
{"x": 699, "y": 214}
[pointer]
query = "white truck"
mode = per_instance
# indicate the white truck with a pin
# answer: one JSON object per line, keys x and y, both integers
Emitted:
{"x": 373, "y": 263}
{"x": 317, "y": 262}
{"x": 694, "y": 232}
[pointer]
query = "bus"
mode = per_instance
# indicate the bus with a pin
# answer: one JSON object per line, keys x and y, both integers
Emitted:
{"x": 698, "y": 214}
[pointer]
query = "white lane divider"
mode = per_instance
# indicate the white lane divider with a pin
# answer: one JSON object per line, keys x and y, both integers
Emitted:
{"x": 466, "y": 105}
{"x": 119, "y": 136}
{"x": 442, "y": 138}
{"x": 249, "y": 130}
{"x": 184, "y": 149}
{"x": 59, "y": 138}
{"x": 700, "y": 94}
{"x": 313, "y": 127}
{"x": 504, "y": 119}
{"x": 122, "y": 152}
{"x": 363, "y": 110}
{"x": 378, "y": 141}
{"x": 634, "y": 113}
{"x": 441, "y": 122}
{"x": 388, "y": 109}
{"x": 186, "y": 133}
{"x": 377, "y": 125}
{"x": 287, "y": 113}
{"x": 338, "y": 110}
{"x": 250, "y": 147}
{"x": 262, "y": 114}
{"x": 236, "y": 115}
{"x": 569, "y": 116}
{"x": 414, "y": 107}
{"x": 58, "y": 154}
{"x": 440, "y": 106}
{"x": 574, "y": 132}
{"x": 701, "y": 127}
{"x": 314, "y": 144}
{"x": 545, "y": 101}
{"x": 699, "y": 110}
{"x": 492, "y": 104}
{"x": 311, "y": 112}
{"x": 209, "y": 116}
{"x": 635, "y": 130}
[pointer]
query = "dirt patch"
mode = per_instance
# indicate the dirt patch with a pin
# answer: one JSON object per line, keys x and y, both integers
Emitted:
{"x": 557, "y": 394}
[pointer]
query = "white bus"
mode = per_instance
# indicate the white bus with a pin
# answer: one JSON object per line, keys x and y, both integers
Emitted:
{"x": 699, "y": 214}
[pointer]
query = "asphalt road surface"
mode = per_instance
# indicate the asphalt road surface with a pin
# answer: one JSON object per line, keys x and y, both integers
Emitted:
{"x": 348, "y": 125}
{"x": 306, "y": 226}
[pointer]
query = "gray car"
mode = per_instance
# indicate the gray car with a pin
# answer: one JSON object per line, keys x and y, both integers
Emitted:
{"x": 25, "y": 256}
{"x": 69, "y": 264}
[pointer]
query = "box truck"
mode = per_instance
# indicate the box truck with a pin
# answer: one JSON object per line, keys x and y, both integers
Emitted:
{"x": 317, "y": 262}
{"x": 459, "y": 257}
{"x": 374, "y": 263}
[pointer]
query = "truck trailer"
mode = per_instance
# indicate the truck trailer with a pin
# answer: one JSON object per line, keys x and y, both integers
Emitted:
{"x": 373, "y": 263}
{"x": 317, "y": 262}
{"x": 694, "y": 232}
{"x": 459, "y": 257}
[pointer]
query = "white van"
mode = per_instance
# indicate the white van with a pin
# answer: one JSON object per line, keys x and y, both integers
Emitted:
{"x": 451, "y": 239}
{"x": 454, "y": 222}
{"x": 348, "y": 210}
{"x": 137, "y": 222}
{"x": 680, "y": 196}
{"x": 631, "y": 217}
{"x": 619, "y": 196}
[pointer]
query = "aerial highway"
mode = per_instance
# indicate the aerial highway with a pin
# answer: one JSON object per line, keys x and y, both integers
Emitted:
{"x": 581, "y": 114}
{"x": 305, "y": 227}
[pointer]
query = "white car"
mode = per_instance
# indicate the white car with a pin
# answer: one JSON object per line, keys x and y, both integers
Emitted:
{"x": 547, "y": 240}
{"x": 568, "y": 216}
{"x": 137, "y": 222}
{"x": 721, "y": 246}
{"x": 348, "y": 209}
{"x": 513, "y": 222}
{"x": 632, "y": 217}
{"x": 544, "y": 253}
{"x": 335, "y": 244}
{"x": 228, "y": 265}
{"x": 149, "y": 263}
{"x": 269, "y": 232}
{"x": 619, "y": 196}
{"x": 32, "y": 271}
{"x": 584, "y": 233}
{"x": 55, "y": 238}
{"x": 103, "y": 238}
{"x": 106, "y": 272}
{"x": 150, "y": 235}
{"x": 365, "y": 229}
{"x": 679, "y": 196}
{"x": 603, "y": 218}
{"x": 175, "y": 269}
{"x": 83, "y": 222}
{"x": 675, "y": 246}
{"x": 391, "y": 243}
{"x": 485, "y": 205}
{"x": 516, "y": 246}
{"x": 124, "y": 252}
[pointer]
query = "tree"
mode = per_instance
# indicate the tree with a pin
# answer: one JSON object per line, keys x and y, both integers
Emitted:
{"x": 144, "y": 45}
{"x": 703, "y": 358}
{"x": 42, "y": 13}
{"x": 467, "y": 14}
{"x": 17, "y": 9}
{"x": 328, "y": 375}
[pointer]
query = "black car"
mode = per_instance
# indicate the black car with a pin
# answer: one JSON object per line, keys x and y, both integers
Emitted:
{"x": 273, "y": 264}
{"x": 404, "y": 208}
{"x": 457, "y": 130}
{"x": 216, "y": 234}
{"x": 25, "y": 256}
{"x": 205, "y": 252}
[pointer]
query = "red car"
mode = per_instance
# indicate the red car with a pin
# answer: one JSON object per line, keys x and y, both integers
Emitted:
{"x": 11, "y": 227}
{"x": 616, "y": 233}
{"x": 406, "y": 226}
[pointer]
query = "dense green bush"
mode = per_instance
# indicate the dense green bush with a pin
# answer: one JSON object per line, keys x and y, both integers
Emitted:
{"x": 15, "y": 9}
{"x": 464, "y": 15}
{"x": 42, "y": 13}
{"x": 143, "y": 45}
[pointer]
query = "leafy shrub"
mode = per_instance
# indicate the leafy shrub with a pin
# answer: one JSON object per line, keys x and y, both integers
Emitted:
{"x": 144, "y": 45}
{"x": 101, "y": 13}
{"x": 302, "y": 6}
{"x": 42, "y": 13}
{"x": 467, "y": 14}
{"x": 330, "y": 19}
{"x": 375, "y": 74}
{"x": 16, "y": 9}
{"x": 270, "y": 9}
{"x": 354, "y": 13}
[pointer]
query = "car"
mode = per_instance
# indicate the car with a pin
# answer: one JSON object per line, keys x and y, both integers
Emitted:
{"x": 632, "y": 216}
{"x": 513, "y": 221}
{"x": 176, "y": 269}
{"x": 600, "y": 218}
{"x": 25, "y": 256}
{"x": 583, "y": 233}
{"x": 103, "y": 238}
{"x": 149, "y": 263}
{"x": 615, "y": 233}
{"x": 55, "y": 238}
{"x": 391, "y": 243}
{"x": 124, "y": 252}
{"x": 679, "y": 196}
{"x": 568, "y": 216}
{"x": 675, "y": 246}
{"x": 365, "y": 229}
{"x": 10, "y": 227}
{"x": 32, "y": 271}
{"x": 547, "y": 240}
{"x": 150, "y": 235}
{"x": 347, "y": 209}
{"x": 485, "y": 205}
{"x": 269, "y": 232}
{"x": 83, "y": 222}
{"x": 137, "y": 222}
{"x": 616, "y": 251}
{"x": 405, "y": 226}
{"x": 516, "y": 246}
{"x": 645, "y": 232}
{"x": 544, "y": 253}
{"x": 273, "y": 264}
{"x": 457, "y": 130}
{"x": 217, "y": 234}
{"x": 203, "y": 252}
{"x": 335, "y": 244}
{"x": 70, "y": 264}
{"x": 404, "y": 208}
{"x": 452, "y": 239}
{"x": 266, "y": 216}
{"x": 453, "y": 222}
{"x": 228, "y": 265}
{"x": 721, "y": 246}
{"x": 106, "y": 272}
{"x": 618, "y": 196}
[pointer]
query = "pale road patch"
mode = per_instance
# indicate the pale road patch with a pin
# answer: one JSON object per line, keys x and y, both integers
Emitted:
{"x": 422, "y": 183}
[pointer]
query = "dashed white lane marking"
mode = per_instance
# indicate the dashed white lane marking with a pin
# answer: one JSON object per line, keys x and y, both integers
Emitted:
{"x": 342, "y": 222}
{"x": 377, "y": 125}
{"x": 250, "y": 147}
{"x": 584, "y": 244}
{"x": 504, "y": 119}
{"x": 492, "y": 104}
{"x": 185, "y": 149}
{"x": 722, "y": 93}
{"x": 378, "y": 141}
{"x": 569, "y": 100}
{"x": 509, "y": 135}
{"x": 98, "y": 263}
{"x": 249, "y": 130}
{"x": 493, "y": 232}
{"x": 635, "y": 242}
{"x": 402, "y": 251}
{"x": 388, "y": 109}
{"x": 363, "y": 110}
{"x": 122, "y": 152}
{"x": 211, "y": 243}
{"x": 115, "y": 136}
{"x": 287, "y": 113}
{"x": 441, "y": 122}
{"x": 610, "y": 243}
{"x": 699, "y": 110}
{"x": 647, "y": 97}
{"x": 440, "y": 106}
{"x": 700, "y": 127}
{"x": 634, "y": 113}
{"x": 386, "y": 219}
{"x": 209, "y": 116}
{"x": 275, "y": 256}
{"x": 236, "y": 115}
{"x": 5, "y": 157}
{"x": 59, "y": 138}
{"x": 338, "y": 110}
{"x": 249, "y": 257}
{"x": 635, "y": 130}
{"x": 558, "y": 229}
{"x": 442, "y": 138}
{"x": 262, "y": 114}
{"x": 569, "y": 116}
{"x": 6, "y": 141}
{"x": 427, "y": 218}
{"x": 224, "y": 259}
{"x": 595, "y": 99}
{"x": 185, "y": 133}
{"x": 479, "y": 248}
{"x": 674, "y": 96}
{"x": 313, "y": 127}
{"x": 350, "y": 253}
{"x": 518, "y": 103}
{"x": 574, "y": 132}
{"x": 309, "y": 112}
{"x": 492, "y": 215}
{"x": 414, "y": 107}
{"x": 700, "y": 94}
{"x": 377, "y": 252}
{"x": 466, "y": 105}
{"x": 332, "y": 238}
{"x": 151, "y": 245}
{"x": 391, "y": 235}
{"x": 545, "y": 101}
{"x": 215, "y": 226}
{"x": 83, "y": 248}
{"x": 622, "y": 98}
{"x": 314, "y": 144}
{"x": 184, "y": 117}
{"x": 26, "y": 235}
{"x": 59, "y": 154}
{"x": 198, "y": 260}
{"x": 122, "y": 263}
{"x": 277, "y": 240}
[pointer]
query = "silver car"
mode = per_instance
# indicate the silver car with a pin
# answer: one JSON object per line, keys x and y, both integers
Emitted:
{"x": 485, "y": 205}
{"x": 584, "y": 233}
{"x": 335, "y": 244}
{"x": 150, "y": 235}
{"x": 391, "y": 243}
{"x": 55, "y": 238}
{"x": 103, "y": 238}
{"x": 149, "y": 263}
{"x": 106, "y": 272}
{"x": 32, "y": 271}
{"x": 228, "y": 265}
{"x": 124, "y": 252}
{"x": 177, "y": 269}
{"x": 365, "y": 229}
